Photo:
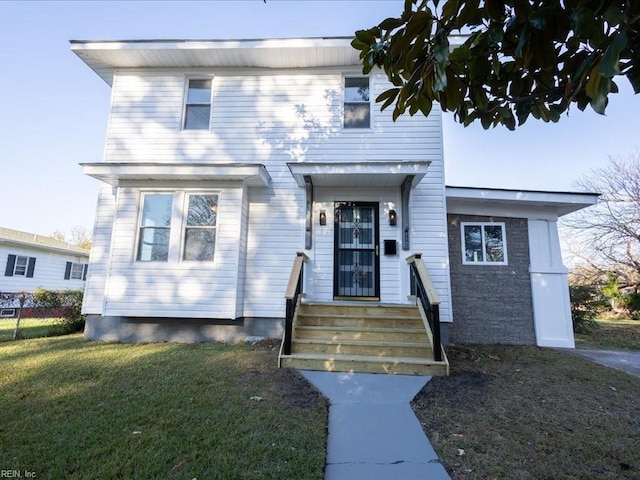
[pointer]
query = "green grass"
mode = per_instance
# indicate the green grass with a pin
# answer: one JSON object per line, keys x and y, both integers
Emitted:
{"x": 611, "y": 334}
{"x": 29, "y": 328}
{"x": 530, "y": 413}
{"x": 77, "y": 409}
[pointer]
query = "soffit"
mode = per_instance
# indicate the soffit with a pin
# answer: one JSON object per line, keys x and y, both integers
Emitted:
{"x": 465, "y": 199}
{"x": 114, "y": 173}
{"x": 104, "y": 57}
{"x": 358, "y": 174}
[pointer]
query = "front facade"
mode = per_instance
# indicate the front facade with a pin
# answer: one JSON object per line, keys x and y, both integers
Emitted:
{"x": 224, "y": 159}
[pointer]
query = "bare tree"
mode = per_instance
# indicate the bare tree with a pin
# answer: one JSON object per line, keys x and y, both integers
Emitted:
{"x": 607, "y": 235}
{"x": 78, "y": 236}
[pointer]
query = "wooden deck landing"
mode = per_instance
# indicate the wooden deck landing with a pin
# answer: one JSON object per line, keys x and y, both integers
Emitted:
{"x": 346, "y": 337}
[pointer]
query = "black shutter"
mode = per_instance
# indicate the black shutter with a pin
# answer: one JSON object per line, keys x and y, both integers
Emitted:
{"x": 67, "y": 271}
{"x": 84, "y": 271}
{"x": 31, "y": 267}
{"x": 11, "y": 263}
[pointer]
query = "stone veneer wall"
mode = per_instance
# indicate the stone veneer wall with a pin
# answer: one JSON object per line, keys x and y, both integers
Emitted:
{"x": 492, "y": 303}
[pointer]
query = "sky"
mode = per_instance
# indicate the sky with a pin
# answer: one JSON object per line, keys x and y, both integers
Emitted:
{"x": 54, "y": 109}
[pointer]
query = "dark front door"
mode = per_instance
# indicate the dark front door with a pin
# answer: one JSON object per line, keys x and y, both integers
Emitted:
{"x": 356, "y": 261}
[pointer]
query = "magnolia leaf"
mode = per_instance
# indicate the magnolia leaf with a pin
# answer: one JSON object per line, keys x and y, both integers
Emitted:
{"x": 366, "y": 37}
{"x": 388, "y": 97}
{"x": 610, "y": 65}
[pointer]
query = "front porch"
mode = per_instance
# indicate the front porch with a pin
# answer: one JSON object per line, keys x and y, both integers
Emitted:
{"x": 363, "y": 336}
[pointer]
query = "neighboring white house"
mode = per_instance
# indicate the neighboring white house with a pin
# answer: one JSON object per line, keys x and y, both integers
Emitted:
{"x": 31, "y": 261}
{"x": 225, "y": 158}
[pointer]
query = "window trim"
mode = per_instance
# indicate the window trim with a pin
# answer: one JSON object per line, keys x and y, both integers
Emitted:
{"x": 139, "y": 228}
{"x": 354, "y": 75}
{"x": 4, "y": 312}
{"x": 185, "y": 104}
{"x": 68, "y": 271}
{"x": 179, "y": 213}
{"x": 184, "y": 226}
{"x": 482, "y": 225}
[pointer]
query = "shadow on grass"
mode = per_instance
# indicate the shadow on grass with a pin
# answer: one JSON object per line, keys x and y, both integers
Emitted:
{"x": 78, "y": 409}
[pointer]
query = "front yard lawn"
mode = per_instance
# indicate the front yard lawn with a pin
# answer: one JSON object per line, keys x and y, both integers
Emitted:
{"x": 532, "y": 413}
{"x": 72, "y": 408}
{"x": 611, "y": 334}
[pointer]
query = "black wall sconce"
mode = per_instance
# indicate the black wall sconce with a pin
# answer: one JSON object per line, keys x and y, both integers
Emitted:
{"x": 323, "y": 218}
{"x": 393, "y": 218}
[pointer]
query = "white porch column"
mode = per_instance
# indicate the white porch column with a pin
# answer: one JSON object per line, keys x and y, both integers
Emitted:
{"x": 549, "y": 286}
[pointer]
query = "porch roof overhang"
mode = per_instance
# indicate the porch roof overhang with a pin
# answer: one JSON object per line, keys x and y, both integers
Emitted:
{"x": 252, "y": 174}
{"x": 358, "y": 174}
{"x": 460, "y": 199}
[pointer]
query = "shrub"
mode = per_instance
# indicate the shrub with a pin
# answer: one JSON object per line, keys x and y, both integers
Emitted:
{"x": 631, "y": 303}
{"x": 586, "y": 303}
{"x": 69, "y": 301}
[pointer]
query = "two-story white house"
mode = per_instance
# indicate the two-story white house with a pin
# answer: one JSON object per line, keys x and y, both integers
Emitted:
{"x": 31, "y": 261}
{"x": 224, "y": 159}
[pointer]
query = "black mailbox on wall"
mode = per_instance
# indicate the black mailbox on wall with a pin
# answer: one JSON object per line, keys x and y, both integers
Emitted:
{"x": 390, "y": 247}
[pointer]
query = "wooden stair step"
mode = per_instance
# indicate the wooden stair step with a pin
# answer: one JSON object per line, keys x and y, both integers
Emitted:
{"x": 367, "y": 364}
{"x": 360, "y": 333}
{"x": 362, "y": 347}
{"x": 310, "y": 319}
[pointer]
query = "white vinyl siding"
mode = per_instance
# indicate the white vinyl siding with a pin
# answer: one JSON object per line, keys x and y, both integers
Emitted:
{"x": 270, "y": 118}
{"x": 48, "y": 272}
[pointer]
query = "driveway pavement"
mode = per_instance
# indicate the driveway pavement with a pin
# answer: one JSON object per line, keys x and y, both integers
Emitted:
{"x": 373, "y": 432}
{"x": 626, "y": 361}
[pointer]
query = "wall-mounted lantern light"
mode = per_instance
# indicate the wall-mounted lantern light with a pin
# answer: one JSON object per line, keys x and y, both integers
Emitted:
{"x": 323, "y": 218}
{"x": 393, "y": 218}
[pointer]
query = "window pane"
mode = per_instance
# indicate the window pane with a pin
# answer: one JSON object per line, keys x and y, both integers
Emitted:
{"x": 473, "y": 243}
{"x": 21, "y": 266}
{"x": 156, "y": 211}
{"x": 203, "y": 210}
{"x": 357, "y": 115}
{"x": 494, "y": 245}
{"x": 356, "y": 90}
{"x": 76, "y": 271}
{"x": 154, "y": 244}
{"x": 200, "y": 244}
{"x": 199, "y": 91}
{"x": 197, "y": 117}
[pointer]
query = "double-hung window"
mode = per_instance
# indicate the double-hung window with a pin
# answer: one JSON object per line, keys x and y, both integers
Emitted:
{"x": 357, "y": 107}
{"x": 20, "y": 265}
{"x": 200, "y": 228}
{"x": 75, "y": 271}
{"x": 193, "y": 217}
{"x": 155, "y": 227}
{"x": 484, "y": 244}
{"x": 197, "y": 110}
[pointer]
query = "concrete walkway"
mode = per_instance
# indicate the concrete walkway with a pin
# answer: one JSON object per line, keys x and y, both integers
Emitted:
{"x": 626, "y": 361}
{"x": 373, "y": 432}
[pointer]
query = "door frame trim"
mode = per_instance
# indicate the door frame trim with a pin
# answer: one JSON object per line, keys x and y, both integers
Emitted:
{"x": 376, "y": 253}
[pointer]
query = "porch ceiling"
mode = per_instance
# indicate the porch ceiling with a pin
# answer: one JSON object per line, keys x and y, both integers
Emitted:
{"x": 358, "y": 174}
{"x": 114, "y": 173}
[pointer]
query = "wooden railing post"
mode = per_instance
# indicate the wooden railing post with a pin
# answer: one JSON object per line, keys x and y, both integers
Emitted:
{"x": 427, "y": 297}
{"x": 293, "y": 292}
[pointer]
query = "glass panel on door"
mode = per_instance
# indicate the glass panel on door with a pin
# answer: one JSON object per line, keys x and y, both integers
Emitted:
{"x": 356, "y": 250}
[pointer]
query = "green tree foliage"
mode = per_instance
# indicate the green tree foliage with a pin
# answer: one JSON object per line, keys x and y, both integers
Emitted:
{"x": 501, "y": 61}
{"x": 586, "y": 303}
{"x": 69, "y": 302}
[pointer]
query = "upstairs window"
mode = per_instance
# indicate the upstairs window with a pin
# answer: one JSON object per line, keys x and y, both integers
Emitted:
{"x": 155, "y": 226}
{"x": 200, "y": 228}
{"x": 484, "y": 244}
{"x": 19, "y": 265}
{"x": 197, "y": 111}
{"x": 357, "y": 108}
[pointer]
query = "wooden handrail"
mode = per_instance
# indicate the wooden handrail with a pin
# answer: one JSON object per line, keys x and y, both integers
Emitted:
{"x": 428, "y": 302}
{"x": 296, "y": 272}
{"x": 291, "y": 295}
